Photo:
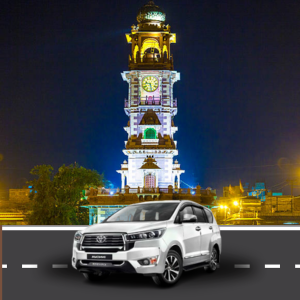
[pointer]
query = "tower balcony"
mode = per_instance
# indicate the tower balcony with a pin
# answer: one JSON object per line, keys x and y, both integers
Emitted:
{"x": 150, "y": 142}
{"x": 126, "y": 103}
{"x": 151, "y": 63}
{"x": 149, "y": 101}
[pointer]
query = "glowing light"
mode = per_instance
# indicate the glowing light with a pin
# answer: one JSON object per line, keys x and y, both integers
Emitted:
{"x": 193, "y": 192}
{"x": 128, "y": 38}
{"x": 225, "y": 207}
{"x": 221, "y": 206}
{"x": 111, "y": 192}
{"x": 150, "y": 43}
{"x": 173, "y": 38}
{"x": 235, "y": 203}
{"x": 150, "y": 133}
{"x": 155, "y": 15}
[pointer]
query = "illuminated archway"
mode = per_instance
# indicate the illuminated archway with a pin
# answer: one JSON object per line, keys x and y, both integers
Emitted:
{"x": 136, "y": 49}
{"x": 150, "y": 181}
{"x": 150, "y": 43}
{"x": 165, "y": 50}
{"x": 150, "y": 133}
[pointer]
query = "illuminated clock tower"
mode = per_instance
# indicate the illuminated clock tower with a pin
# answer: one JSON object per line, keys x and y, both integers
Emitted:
{"x": 150, "y": 106}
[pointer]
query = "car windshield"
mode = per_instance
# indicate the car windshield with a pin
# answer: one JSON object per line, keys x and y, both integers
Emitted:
{"x": 144, "y": 213}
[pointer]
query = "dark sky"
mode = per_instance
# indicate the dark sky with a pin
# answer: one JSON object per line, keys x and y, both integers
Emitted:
{"x": 62, "y": 95}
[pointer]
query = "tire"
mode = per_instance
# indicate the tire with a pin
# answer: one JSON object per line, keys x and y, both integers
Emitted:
{"x": 97, "y": 276}
{"x": 172, "y": 272}
{"x": 213, "y": 263}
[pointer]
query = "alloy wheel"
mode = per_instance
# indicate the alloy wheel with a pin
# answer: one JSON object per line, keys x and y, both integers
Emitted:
{"x": 171, "y": 268}
{"x": 214, "y": 259}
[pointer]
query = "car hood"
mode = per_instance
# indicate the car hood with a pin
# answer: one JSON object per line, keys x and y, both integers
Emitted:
{"x": 126, "y": 227}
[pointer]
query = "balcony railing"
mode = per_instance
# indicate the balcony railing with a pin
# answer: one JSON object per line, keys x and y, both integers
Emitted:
{"x": 150, "y": 141}
{"x": 101, "y": 191}
{"x": 149, "y": 101}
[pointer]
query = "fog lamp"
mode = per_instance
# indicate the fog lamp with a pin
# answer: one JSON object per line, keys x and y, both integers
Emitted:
{"x": 148, "y": 261}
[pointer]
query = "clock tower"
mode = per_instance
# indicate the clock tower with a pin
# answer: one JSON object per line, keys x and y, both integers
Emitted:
{"x": 150, "y": 106}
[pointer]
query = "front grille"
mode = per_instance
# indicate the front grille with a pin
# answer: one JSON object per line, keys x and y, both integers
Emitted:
{"x": 101, "y": 250}
{"x": 112, "y": 241}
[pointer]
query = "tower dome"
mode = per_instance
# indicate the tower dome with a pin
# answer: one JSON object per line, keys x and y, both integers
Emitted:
{"x": 150, "y": 12}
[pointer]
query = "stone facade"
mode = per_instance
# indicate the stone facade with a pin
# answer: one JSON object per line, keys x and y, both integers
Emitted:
{"x": 204, "y": 197}
{"x": 19, "y": 195}
{"x": 280, "y": 205}
{"x": 12, "y": 211}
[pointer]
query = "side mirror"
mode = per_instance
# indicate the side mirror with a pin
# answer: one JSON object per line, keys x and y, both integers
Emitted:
{"x": 188, "y": 218}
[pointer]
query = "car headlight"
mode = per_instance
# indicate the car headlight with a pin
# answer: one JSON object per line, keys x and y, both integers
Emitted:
{"x": 78, "y": 236}
{"x": 145, "y": 235}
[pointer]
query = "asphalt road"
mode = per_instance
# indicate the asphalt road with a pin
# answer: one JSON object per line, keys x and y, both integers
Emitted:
{"x": 243, "y": 273}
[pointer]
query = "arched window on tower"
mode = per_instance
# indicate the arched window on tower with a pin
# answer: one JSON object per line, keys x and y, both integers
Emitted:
{"x": 136, "y": 54}
{"x": 149, "y": 181}
{"x": 165, "y": 52}
{"x": 150, "y": 50}
{"x": 150, "y": 133}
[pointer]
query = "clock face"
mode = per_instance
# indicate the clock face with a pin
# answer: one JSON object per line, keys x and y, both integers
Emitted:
{"x": 150, "y": 83}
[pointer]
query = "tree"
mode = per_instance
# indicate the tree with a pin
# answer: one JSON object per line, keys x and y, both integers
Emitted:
{"x": 57, "y": 199}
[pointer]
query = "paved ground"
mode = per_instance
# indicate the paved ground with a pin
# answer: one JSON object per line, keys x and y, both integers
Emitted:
{"x": 243, "y": 273}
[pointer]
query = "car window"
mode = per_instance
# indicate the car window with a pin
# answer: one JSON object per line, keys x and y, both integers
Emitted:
{"x": 199, "y": 212}
{"x": 144, "y": 213}
{"x": 209, "y": 216}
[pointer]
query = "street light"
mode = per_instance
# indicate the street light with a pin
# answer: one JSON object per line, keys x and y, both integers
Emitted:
{"x": 235, "y": 203}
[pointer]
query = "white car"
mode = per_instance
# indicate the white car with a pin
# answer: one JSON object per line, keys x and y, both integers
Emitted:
{"x": 160, "y": 239}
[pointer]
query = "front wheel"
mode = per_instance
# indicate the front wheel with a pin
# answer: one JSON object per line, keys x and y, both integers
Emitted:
{"x": 213, "y": 263}
{"x": 172, "y": 272}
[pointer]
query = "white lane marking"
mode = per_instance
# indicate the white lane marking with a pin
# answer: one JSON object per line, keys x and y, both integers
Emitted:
{"x": 242, "y": 266}
{"x": 42, "y": 228}
{"x": 297, "y": 266}
{"x": 222, "y": 228}
{"x": 29, "y": 266}
{"x": 57, "y": 266}
{"x": 4, "y": 266}
{"x": 259, "y": 228}
{"x": 272, "y": 266}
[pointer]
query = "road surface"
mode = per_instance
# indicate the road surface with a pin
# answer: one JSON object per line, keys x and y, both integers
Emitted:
{"x": 254, "y": 264}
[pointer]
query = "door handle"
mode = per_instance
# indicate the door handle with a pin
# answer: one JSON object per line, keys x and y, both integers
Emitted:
{"x": 198, "y": 228}
{"x": 210, "y": 227}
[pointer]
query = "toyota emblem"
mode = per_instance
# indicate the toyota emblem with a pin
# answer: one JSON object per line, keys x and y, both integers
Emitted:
{"x": 101, "y": 238}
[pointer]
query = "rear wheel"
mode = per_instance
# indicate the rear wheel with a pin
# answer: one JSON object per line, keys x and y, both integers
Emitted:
{"x": 213, "y": 263}
{"x": 96, "y": 276}
{"x": 172, "y": 272}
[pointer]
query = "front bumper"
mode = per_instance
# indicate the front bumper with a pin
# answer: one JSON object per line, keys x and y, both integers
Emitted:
{"x": 124, "y": 261}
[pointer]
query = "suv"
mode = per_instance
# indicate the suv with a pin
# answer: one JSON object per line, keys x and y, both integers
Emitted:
{"x": 160, "y": 239}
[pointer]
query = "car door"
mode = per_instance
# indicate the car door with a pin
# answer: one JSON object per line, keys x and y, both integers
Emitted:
{"x": 191, "y": 239}
{"x": 205, "y": 232}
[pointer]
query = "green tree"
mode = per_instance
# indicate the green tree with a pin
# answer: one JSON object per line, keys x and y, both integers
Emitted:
{"x": 57, "y": 199}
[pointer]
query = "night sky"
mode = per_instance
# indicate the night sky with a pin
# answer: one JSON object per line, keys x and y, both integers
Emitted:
{"x": 62, "y": 95}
